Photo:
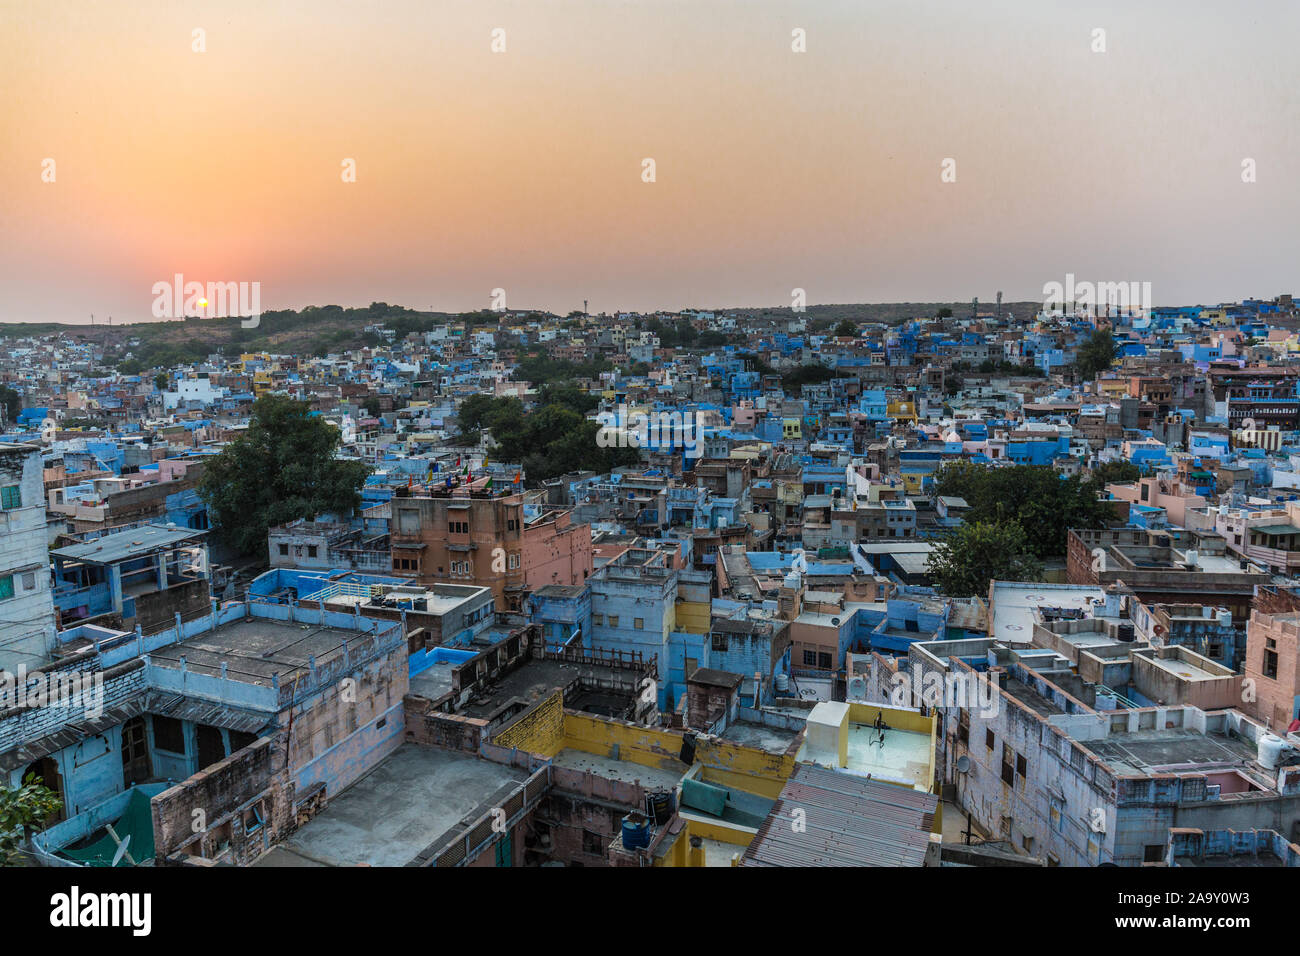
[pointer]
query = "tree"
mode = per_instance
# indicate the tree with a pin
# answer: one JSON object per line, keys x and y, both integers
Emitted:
{"x": 12, "y": 402}
{"x": 1043, "y": 502}
{"x": 1112, "y": 473}
{"x": 1096, "y": 354}
{"x": 160, "y": 381}
{"x": 963, "y": 563}
{"x": 846, "y": 329}
{"x": 814, "y": 373}
{"x": 23, "y": 810}
{"x": 281, "y": 469}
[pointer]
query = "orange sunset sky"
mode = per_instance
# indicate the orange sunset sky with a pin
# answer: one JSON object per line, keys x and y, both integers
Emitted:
{"x": 522, "y": 169}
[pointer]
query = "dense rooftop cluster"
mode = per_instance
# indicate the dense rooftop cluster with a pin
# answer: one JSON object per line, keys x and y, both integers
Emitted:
{"x": 972, "y": 589}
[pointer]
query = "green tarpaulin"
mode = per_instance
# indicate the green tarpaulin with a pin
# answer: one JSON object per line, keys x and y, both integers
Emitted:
{"x": 136, "y": 822}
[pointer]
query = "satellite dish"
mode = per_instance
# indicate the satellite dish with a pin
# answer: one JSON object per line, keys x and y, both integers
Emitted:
{"x": 121, "y": 850}
{"x": 963, "y": 764}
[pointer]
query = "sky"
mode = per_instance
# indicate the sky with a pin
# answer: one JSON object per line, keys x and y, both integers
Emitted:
{"x": 522, "y": 169}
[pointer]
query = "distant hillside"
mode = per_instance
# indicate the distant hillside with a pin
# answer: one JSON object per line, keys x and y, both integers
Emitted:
{"x": 318, "y": 330}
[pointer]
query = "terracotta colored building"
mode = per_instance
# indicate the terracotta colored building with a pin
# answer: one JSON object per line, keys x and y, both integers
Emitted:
{"x": 1272, "y": 662}
{"x": 489, "y": 540}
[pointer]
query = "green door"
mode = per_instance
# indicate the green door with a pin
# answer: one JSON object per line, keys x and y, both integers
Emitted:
{"x": 503, "y": 851}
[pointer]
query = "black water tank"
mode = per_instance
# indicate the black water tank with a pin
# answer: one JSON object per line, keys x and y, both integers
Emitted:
{"x": 1126, "y": 633}
{"x": 687, "y": 755}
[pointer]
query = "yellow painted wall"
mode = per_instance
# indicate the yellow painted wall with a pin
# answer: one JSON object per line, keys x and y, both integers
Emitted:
{"x": 693, "y": 617}
{"x": 541, "y": 732}
{"x": 727, "y": 764}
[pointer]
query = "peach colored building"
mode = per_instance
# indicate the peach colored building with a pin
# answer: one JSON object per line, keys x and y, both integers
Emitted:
{"x": 1159, "y": 493}
{"x": 488, "y": 540}
{"x": 1272, "y": 664}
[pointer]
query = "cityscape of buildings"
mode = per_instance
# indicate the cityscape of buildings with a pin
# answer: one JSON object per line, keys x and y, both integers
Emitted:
{"x": 665, "y": 590}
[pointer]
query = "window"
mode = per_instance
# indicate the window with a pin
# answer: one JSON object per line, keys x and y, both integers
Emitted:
{"x": 512, "y": 524}
{"x": 810, "y": 658}
{"x": 638, "y": 623}
{"x": 824, "y": 661}
{"x": 598, "y": 619}
{"x": 613, "y": 620}
{"x": 284, "y": 549}
{"x": 1154, "y": 853}
{"x": 719, "y": 642}
{"x": 168, "y": 734}
{"x": 963, "y": 728}
{"x": 512, "y": 561}
{"x": 311, "y": 551}
{"x": 1270, "y": 657}
{"x": 1056, "y": 814}
{"x": 593, "y": 843}
{"x": 11, "y": 496}
{"x": 458, "y": 527}
{"x": 988, "y": 739}
{"x": 1022, "y": 766}
{"x": 6, "y": 587}
{"x": 1008, "y": 765}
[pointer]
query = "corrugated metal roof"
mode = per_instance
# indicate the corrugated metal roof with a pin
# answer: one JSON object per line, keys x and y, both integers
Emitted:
{"x": 71, "y": 733}
{"x": 207, "y": 712}
{"x": 847, "y": 821}
{"x": 120, "y": 545}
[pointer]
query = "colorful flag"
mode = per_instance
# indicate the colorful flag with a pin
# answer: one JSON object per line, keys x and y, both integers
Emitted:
{"x": 516, "y": 481}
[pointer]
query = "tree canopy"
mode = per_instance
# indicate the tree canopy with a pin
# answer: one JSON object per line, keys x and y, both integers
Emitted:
{"x": 1043, "y": 502}
{"x": 23, "y": 809}
{"x": 963, "y": 563}
{"x": 553, "y": 439}
{"x": 281, "y": 469}
{"x": 1096, "y": 354}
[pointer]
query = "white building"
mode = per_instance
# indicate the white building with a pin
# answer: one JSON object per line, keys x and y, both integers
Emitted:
{"x": 27, "y": 628}
{"x": 199, "y": 390}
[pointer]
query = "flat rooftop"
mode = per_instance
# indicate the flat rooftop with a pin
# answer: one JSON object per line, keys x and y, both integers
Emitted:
{"x": 537, "y": 679}
{"x": 1150, "y": 751}
{"x": 1031, "y": 698}
{"x": 1014, "y": 605}
{"x": 396, "y": 811}
{"x": 255, "y": 649}
{"x": 902, "y": 755}
{"x": 761, "y": 736}
{"x": 1184, "y": 669}
{"x": 650, "y": 778}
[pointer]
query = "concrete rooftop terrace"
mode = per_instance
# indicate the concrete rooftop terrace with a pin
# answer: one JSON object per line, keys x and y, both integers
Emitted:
{"x": 255, "y": 649}
{"x": 1014, "y": 605}
{"x": 761, "y": 736}
{"x": 398, "y": 810}
{"x": 1153, "y": 751}
{"x": 625, "y": 771}
{"x": 534, "y": 680}
{"x": 903, "y": 754}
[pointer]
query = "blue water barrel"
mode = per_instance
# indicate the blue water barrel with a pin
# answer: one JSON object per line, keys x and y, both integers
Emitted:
{"x": 636, "y": 832}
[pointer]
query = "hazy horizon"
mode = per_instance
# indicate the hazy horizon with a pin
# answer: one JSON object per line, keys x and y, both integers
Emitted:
{"x": 522, "y": 170}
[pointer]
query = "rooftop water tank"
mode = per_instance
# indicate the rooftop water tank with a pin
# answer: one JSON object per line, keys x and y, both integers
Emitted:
{"x": 636, "y": 831}
{"x": 1270, "y": 749}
